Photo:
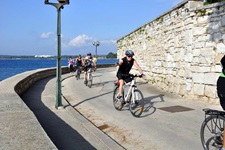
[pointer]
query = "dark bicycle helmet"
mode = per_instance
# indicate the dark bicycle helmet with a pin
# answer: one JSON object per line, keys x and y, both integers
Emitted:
{"x": 88, "y": 54}
{"x": 129, "y": 52}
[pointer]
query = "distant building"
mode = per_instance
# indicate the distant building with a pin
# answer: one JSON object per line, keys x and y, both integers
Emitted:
{"x": 43, "y": 56}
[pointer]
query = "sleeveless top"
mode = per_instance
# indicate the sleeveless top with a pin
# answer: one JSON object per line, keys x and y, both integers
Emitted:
{"x": 79, "y": 62}
{"x": 126, "y": 66}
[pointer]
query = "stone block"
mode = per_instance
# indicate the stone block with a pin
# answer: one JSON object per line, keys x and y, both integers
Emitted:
{"x": 210, "y": 91}
{"x": 211, "y": 78}
{"x": 198, "y": 77}
{"x": 199, "y": 89}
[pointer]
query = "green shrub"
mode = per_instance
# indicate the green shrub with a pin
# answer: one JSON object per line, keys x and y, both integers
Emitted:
{"x": 212, "y": 1}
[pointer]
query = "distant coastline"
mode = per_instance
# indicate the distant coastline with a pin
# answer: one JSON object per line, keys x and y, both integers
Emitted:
{"x": 46, "y": 56}
{"x": 10, "y": 66}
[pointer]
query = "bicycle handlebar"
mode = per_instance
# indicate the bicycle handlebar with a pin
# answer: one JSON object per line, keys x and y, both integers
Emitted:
{"x": 134, "y": 76}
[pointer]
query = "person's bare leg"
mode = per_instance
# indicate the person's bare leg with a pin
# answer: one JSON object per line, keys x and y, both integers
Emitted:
{"x": 121, "y": 87}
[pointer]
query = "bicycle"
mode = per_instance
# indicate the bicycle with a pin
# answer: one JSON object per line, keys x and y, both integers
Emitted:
{"x": 133, "y": 97}
{"x": 212, "y": 129}
{"x": 78, "y": 72}
{"x": 89, "y": 78}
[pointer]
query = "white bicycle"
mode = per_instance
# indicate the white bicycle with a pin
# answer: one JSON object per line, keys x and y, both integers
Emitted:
{"x": 133, "y": 97}
{"x": 89, "y": 78}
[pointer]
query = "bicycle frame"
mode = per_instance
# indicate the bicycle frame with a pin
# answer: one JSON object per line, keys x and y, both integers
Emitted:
{"x": 130, "y": 90}
{"x": 88, "y": 73}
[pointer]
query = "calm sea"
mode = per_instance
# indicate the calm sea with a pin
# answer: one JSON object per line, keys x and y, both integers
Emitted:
{"x": 11, "y": 67}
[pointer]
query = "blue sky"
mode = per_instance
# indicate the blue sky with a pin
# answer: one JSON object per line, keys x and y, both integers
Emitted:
{"x": 28, "y": 27}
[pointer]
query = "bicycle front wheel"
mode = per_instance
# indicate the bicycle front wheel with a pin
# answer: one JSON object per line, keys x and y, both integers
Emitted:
{"x": 78, "y": 74}
{"x": 212, "y": 132}
{"x": 136, "y": 103}
{"x": 90, "y": 79}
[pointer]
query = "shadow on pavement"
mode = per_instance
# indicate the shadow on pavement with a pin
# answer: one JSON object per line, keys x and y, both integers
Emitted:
{"x": 149, "y": 108}
{"x": 61, "y": 134}
{"x": 88, "y": 99}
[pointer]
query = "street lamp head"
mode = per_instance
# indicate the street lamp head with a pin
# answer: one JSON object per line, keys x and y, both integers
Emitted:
{"x": 60, "y": 1}
{"x": 96, "y": 43}
{"x": 64, "y": 1}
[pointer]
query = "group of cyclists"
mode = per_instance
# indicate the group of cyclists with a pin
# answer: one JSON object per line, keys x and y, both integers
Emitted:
{"x": 83, "y": 64}
{"x": 125, "y": 65}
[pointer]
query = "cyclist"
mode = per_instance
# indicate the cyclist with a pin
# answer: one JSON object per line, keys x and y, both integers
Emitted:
{"x": 221, "y": 93}
{"x": 79, "y": 63}
{"x": 87, "y": 62}
{"x": 71, "y": 64}
{"x": 95, "y": 62}
{"x": 125, "y": 64}
{"x": 221, "y": 84}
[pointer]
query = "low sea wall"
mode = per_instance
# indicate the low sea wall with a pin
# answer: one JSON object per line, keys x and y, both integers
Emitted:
{"x": 19, "y": 128}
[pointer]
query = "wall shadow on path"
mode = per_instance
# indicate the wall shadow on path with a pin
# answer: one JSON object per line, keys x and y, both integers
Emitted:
{"x": 61, "y": 134}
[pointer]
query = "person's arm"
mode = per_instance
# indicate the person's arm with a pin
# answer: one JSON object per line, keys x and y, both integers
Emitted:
{"x": 83, "y": 62}
{"x": 120, "y": 62}
{"x": 138, "y": 67}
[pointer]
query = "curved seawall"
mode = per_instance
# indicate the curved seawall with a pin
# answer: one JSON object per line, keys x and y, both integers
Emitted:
{"x": 19, "y": 128}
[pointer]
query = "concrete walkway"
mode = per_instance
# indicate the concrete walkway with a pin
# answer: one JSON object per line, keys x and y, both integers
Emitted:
{"x": 168, "y": 121}
{"x": 67, "y": 128}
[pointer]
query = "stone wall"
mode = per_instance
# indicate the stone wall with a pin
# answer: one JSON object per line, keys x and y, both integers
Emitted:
{"x": 180, "y": 50}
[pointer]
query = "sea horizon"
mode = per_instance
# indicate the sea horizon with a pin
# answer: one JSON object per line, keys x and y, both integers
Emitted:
{"x": 10, "y": 67}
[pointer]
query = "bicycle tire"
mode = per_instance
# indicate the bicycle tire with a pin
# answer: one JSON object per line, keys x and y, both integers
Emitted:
{"x": 212, "y": 132}
{"x": 90, "y": 80}
{"x": 86, "y": 83}
{"x": 78, "y": 74}
{"x": 116, "y": 102}
{"x": 136, "y": 107}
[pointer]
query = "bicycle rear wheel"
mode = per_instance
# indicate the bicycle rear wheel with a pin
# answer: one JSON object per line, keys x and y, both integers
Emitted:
{"x": 116, "y": 102}
{"x": 212, "y": 132}
{"x": 136, "y": 107}
{"x": 90, "y": 79}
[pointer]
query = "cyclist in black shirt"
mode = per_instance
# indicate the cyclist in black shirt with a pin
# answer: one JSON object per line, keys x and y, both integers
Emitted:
{"x": 125, "y": 65}
{"x": 221, "y": 84}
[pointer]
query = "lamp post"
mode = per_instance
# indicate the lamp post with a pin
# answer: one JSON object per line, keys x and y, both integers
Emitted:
{"x": 58, "y": 6}
{"x": 96, "y": 44}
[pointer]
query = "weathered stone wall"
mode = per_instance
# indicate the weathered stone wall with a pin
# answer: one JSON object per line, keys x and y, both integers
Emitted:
{"x": 180, "y": 50}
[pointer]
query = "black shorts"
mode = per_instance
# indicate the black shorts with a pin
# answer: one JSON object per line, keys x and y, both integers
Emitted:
{"x": 125, "y": 77}
{"x": 87, "y": 67}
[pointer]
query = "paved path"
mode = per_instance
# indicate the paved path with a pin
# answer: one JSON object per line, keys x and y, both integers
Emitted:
{"x": 156, "y": 129}
{"x": 67, "y": 128}
{"x": 87, "y": 110}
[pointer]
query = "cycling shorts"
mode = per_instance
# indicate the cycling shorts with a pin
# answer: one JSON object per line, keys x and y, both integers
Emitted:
{"x": 87, "y": 67}
{"x": 124, "y": 77}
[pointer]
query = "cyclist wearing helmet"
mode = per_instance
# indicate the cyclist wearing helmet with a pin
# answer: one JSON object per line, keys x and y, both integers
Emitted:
{"x": 87, "y": 62}
{"x": 79, "y": 62}
{"x": 125, "y": 65}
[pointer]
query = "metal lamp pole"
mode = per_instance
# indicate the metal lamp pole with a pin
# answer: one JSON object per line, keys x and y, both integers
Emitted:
{"x": 58, "y": 6}
{"x": 96, "y": 44}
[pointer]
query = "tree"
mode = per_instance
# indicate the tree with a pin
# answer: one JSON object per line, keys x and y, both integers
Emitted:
{"x": 111, "y": 55}
{"x": 212, "y": 1}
